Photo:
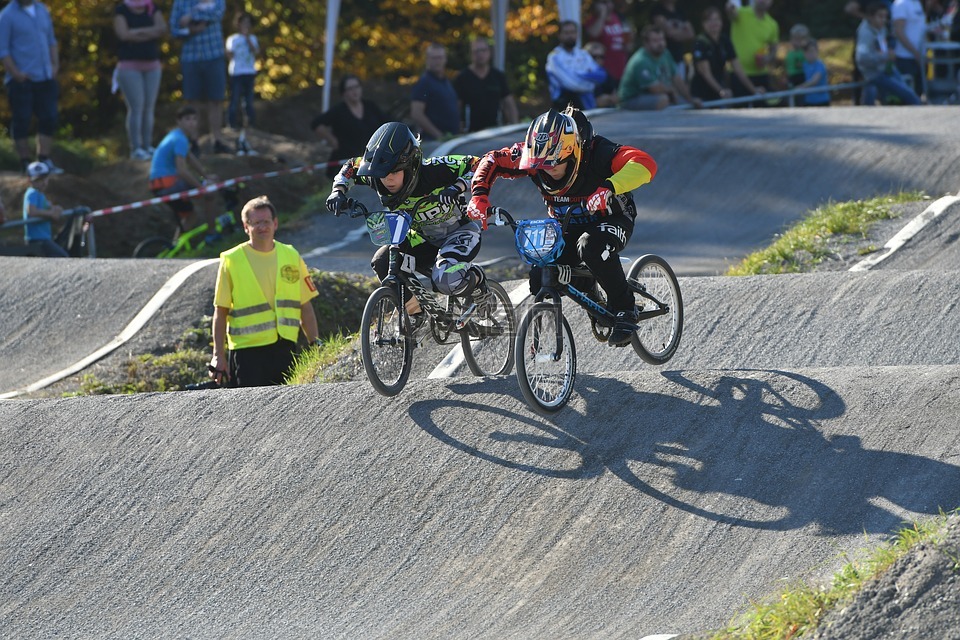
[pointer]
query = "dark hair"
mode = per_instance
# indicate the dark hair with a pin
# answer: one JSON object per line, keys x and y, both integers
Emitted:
{"x": 873, "y": 7}
{"x": 260, "y": 202}
{"x": 649, "y": 30}
{"x": 709, "y": 11}
{"x": 183, "y": 112}
{"x": 347, "y": 78}
{"x": 241, "y": 16}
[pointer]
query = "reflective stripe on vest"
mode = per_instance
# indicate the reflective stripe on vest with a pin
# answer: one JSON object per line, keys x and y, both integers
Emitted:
{"x": 252, "y": 322}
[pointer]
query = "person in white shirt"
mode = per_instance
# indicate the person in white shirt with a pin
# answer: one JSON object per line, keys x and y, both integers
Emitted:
{"x": 242, "y": 51}
{"x": 910, "y": 31}
{"x": 572, "y": 72}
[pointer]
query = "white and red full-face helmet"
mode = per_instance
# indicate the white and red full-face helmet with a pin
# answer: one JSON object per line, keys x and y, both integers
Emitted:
{"x": 552, "y": 140}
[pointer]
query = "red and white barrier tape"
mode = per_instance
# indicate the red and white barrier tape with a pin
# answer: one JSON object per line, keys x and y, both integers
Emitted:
{"x": 210, "y": 188}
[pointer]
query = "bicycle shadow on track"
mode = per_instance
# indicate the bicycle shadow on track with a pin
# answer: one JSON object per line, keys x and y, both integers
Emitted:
{"x": 744, "y": 450}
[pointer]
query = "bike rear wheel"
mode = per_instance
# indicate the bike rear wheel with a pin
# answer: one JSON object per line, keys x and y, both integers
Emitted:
{"x": 386, "y": 353}
{"x": 152, "y": 247}
{"x": 657, "y": 338}
{"x": 546, "y": 380}
{"x": 490, "y": 351}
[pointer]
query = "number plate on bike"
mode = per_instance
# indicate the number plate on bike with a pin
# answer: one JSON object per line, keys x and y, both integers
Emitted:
{"x": 388, "y": 227}
{"x": 539, "y": 242}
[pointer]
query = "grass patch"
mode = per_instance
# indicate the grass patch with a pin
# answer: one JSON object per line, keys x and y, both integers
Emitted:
{"x": 799, "y": 609}
{"x": 326, "y": 364}
{"x": 804, "y": 245}
{"x": 148, "y": 372}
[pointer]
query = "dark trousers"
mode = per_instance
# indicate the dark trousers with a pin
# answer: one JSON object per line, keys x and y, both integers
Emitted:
{"x": 28, "y": 99}
{"x": 241, "y": 90}
{"x": 261, "y": 366}
{"x": 598, "y": 245}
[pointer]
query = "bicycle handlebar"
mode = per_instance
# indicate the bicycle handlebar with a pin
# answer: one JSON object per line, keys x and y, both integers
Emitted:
{"x": 356, "y": 208}
{"x": 67, "y": 213}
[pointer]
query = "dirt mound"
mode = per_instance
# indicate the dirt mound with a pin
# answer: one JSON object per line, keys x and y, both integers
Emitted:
{"x": 917, "y": 598}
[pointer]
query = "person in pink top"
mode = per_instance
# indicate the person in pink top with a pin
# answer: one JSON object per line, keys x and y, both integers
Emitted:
{"x": 607, "y": 26}
{"x": 139, "y": 26}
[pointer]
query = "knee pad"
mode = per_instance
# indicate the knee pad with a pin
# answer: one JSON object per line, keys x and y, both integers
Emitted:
{"x": 593, "y": 247}
{"x": 454, "y": 279}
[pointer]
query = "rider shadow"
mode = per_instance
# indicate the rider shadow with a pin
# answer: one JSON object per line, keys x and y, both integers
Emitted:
{"x": 745, "y": 450}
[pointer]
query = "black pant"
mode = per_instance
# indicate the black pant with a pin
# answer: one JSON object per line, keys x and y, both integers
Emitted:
{"x": 598, "y": 245}
{"x": 261, "y": 366}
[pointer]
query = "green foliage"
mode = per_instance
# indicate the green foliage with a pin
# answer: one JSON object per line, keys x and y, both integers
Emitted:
{"x": 804, "y": 245}
{"x": 167, "y": 372}
{"x": 323, "y": 364}
{"x": 799, "y": 608}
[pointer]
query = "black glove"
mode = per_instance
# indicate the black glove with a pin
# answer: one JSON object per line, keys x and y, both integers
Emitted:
{"x": 336, "y": 201}
{"x": 450, "y": 195}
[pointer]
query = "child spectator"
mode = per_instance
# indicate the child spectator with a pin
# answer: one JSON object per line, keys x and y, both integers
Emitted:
{"x": 793, "y": 62}
{"x": 35, "y": 205}
{"x": 242, "y": 51}
{"x": 815, "y": 75}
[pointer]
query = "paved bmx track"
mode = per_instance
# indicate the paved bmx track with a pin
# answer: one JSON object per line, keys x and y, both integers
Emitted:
{"x": 802, "y": 416}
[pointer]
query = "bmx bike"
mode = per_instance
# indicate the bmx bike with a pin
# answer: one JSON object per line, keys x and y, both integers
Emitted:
{"x": 388, "y": 334}
{"x": 545, "y": 351}
{"x": 76, "y": 237}
{"x": 193, "y": 239}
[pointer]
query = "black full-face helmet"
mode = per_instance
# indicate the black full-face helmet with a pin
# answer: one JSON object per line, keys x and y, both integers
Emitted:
{"x": 392, "y": 147}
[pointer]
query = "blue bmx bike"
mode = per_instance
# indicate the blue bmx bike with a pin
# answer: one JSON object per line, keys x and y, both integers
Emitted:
{"x": 544, "y": 349}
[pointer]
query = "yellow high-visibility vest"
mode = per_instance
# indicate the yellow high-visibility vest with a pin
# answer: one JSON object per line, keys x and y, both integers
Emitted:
{"x": 252, "y": 322}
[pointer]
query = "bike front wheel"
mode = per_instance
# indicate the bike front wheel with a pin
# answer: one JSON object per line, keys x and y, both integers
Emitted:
{"x": 152, "y": 247}
{"x": 546, "y": 358}
{"x": 657, "y": 338}
{"x": 487, "y": 341}
{"x": 386, "y": 353}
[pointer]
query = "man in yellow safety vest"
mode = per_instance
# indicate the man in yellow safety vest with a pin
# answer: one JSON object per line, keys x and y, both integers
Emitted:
{"x": 262, "y": 300}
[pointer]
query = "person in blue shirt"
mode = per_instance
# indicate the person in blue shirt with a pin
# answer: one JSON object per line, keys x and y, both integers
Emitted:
{"x": 175, "y": 168}
{"x": 815, "y": 73}
{"x": 203, "y": 60}
{"x": 434, "y": 105}
{"x": 28, "y": 49}
{"x": 39, "y": 235}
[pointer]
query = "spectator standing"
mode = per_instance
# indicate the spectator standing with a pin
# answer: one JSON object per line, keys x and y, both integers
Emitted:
{"x": 755, "y": 35}
{"x": 203, "y": 60}
{"x": 678, "y": 30}
{"x": 483, "y": 91}
{"x": 605, "y": 92}
{"x": 875, "y": 59}
{"x": 30, "y": 57}
{"x": 35, "y": 205}
{"x": 139, "y": 25}
{"x": 607, "y": 26}
{"x": 175, "y": 168}
{"x": 652, "y": 80}
{"x": 433, "y": 100}
{"x": 242, "y": 49}
{"x": 910, "y": 32}
{"x": 572, "y": 73}
{"x": 713, "y": 53}
{"x": 815, "y": 75}
{"x": 347, "y": 126}
{"x": 261, "y": 302}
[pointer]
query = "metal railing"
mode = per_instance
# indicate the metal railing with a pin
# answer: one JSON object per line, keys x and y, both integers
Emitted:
{"x": 789, "y": 94}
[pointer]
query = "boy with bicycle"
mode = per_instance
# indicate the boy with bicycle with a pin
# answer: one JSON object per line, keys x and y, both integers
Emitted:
{"x": 39, "y": 235}
{"x": 443, "y": 241}
{"x": 588, "y": 178}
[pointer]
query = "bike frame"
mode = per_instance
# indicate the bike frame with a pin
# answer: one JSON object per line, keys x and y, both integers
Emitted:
{"x": 552, "y": 287}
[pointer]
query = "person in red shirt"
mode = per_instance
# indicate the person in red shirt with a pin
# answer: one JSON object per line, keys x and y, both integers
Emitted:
{"x": 586, "y": 182}
{"x": 607, "y": 26}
